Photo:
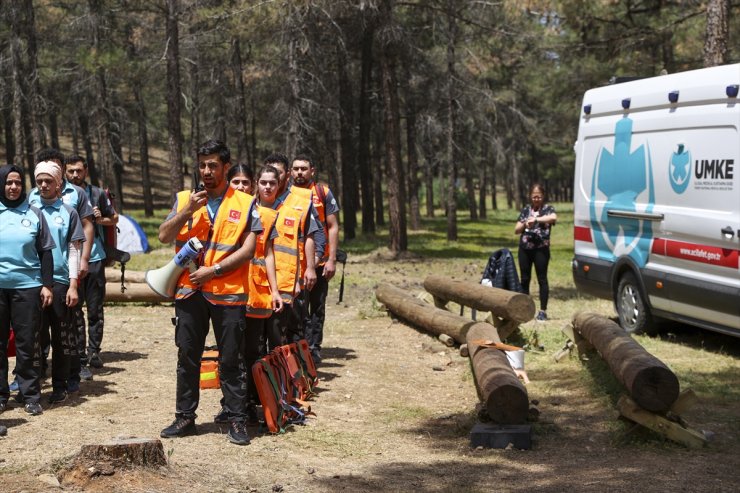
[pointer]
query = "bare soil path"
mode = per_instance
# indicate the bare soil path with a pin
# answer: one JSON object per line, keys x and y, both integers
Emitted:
{"x": 386, "y": 419}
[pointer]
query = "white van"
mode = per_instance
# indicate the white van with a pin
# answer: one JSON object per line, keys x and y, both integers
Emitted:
{"x": 657, "y": 199}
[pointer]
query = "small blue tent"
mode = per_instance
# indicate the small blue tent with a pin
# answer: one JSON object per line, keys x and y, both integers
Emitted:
{"x": 131, "y": 237}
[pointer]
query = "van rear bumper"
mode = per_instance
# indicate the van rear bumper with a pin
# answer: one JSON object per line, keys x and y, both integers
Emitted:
{"x": 592, "y": 276}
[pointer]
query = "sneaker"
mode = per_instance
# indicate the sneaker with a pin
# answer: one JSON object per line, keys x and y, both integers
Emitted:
{"x": 180, "y": 427}
{"x": 85, "y": 373}
{"x": 14, "y": 385}
{"x": 57, "y": 396}
{"x": 541, "y": 315}
{"x": 3, "y": 406}
{"x": 95, "y": 361}
{"x": 73, "y": 386}
{"x": 222, "y": 416}
{"x": 3, "y": 431}
{"x": 238, "y": 433}
{"x": 34, "y": 408}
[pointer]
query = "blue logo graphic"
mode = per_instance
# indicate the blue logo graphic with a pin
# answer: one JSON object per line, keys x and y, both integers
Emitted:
{"x": 622, "y": 176}
{"x": 679, "y": 169}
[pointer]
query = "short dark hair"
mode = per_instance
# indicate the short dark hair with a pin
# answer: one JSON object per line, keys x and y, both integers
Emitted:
{"x": 49, "y": 154}
{"x": 215, "y": 147}
{"x": 278, "y": 158}
{"x": 240, "y": 169}
{"x": 74, "y": 158}
{"x": 304, "y": 157}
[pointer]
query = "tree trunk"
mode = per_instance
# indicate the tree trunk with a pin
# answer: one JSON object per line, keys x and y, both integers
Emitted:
{"x": 363, "y": 152}
{"x": 146, "y": 180}
{"x": 717, "y": 33}
{"x": 483, "y": 177}
{"x": 651, "y": 383}
{"x": 242, "y": 141}
{"x": 413, "y": 159}
{"x": 20, "y": 109}
{"x": 392, "y": 137}
{"x": 174, "y": 131}
{"x": 379, "y": 167}
{"x": 450, "y": 131}
{"x": 54, "y": 127}
{"x": 470, "y": 189}
{"x": 253, "y": 153}
{"x": 92, "y": 167}
{"x": 110, "y": 160}
{"x": 195, "y": 111}
{"x": 429, "y": 184}
{"x": 33, "y": 79}
{"x": 346, "y": 138}
{"x": 8, "y": 120}
{"x": 292, "y": 136}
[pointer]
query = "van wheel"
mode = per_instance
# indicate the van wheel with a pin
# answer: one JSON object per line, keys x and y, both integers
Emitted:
{"x": 634, "y": 315}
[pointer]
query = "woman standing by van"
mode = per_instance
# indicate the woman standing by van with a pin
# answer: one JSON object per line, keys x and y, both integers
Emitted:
{"x": 534, "y": 224}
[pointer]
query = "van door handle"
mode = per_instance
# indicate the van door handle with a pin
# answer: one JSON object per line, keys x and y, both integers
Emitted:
{"x": 648, "y": 216}
{"x": 728, "y": 232}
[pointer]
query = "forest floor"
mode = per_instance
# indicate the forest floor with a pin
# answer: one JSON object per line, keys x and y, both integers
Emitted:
{"x": 387, "y": 418}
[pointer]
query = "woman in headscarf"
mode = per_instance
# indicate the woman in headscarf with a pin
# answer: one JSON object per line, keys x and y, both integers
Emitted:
{"x": 26, "y": 278}
{"x": 66, "y": 229}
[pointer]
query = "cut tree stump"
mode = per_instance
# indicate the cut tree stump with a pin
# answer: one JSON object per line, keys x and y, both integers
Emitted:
{"x": 652, "y": 385}
{"x": 125, "y": 452}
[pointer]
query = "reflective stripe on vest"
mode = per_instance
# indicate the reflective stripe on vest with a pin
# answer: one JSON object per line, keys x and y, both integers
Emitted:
{"x": 287, "y": 247}
{"x": 228, "y": 229}
{"x": 260, "y": 294}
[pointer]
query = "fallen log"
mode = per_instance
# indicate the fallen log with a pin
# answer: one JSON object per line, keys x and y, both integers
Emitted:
{"x": 435, "y": 320}
{"x": 114, "y": 275}
{"x": 135, "y": 292}
{"x": 500, "y": 390}
{"x": 502, "y": 303}
{"x": 652, "y": 385}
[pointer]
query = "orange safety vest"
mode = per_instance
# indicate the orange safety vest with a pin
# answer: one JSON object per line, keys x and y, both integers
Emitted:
{"x": 320, "y": 192}
{"x": 218, "y": 243}
{"x": 290, "y": 261}
{"x": 260, "y": 294}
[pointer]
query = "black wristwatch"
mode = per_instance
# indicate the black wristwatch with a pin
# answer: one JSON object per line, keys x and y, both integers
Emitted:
{"x": 217, "y": 269}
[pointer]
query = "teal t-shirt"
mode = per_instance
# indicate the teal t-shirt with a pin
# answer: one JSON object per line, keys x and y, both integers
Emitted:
{"x": 23, "y": 234}
{"x": 65, "y": 227}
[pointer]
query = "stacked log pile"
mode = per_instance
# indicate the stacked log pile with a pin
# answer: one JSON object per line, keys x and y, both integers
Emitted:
{"x": 499, "y": 388}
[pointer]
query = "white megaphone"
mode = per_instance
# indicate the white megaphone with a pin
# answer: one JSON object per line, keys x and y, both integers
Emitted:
{"x": 163, "y": 281}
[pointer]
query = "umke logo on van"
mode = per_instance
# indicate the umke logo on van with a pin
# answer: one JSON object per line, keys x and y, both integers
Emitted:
{"x": 678, "y": 170}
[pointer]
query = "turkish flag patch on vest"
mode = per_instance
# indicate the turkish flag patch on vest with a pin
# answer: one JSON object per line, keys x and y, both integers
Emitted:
{"x": 289, "y": 222}
{"x": 234, "y": 216}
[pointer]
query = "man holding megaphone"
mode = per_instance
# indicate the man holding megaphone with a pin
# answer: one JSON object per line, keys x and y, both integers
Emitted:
{"x": 225, "y": 223}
